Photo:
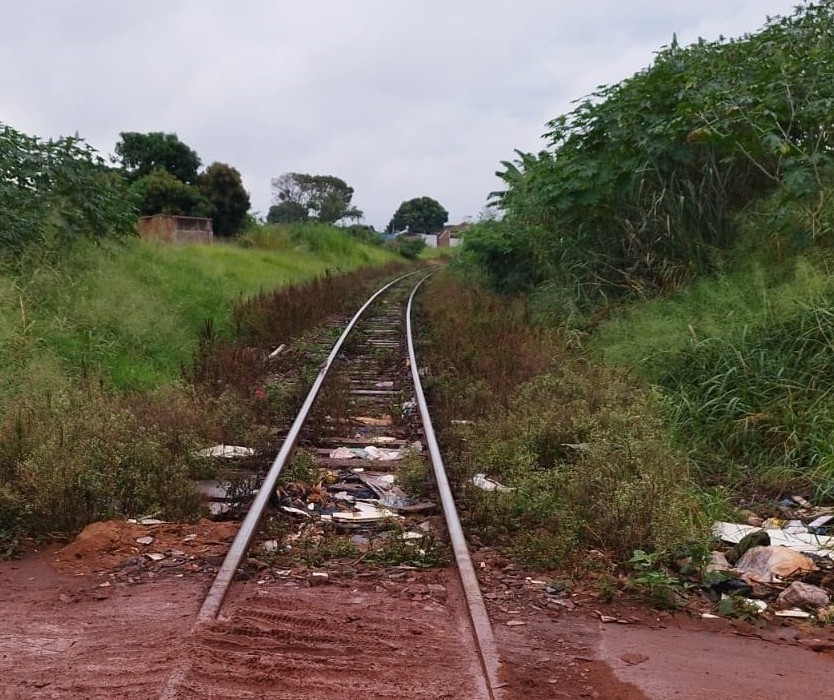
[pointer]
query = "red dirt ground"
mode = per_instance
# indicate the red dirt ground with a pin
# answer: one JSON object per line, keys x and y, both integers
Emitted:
{"x": 99, "y": 619}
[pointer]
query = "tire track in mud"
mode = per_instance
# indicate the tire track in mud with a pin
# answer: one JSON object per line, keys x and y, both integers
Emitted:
{"x": 330, "y": 643}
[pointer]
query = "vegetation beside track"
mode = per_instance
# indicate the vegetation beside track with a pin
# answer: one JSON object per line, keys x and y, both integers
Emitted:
{"x": 124, "y": 357}
{"x": 664, "y": 265}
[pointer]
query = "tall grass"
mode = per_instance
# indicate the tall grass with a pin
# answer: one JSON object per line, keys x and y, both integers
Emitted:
{"x": 131, "y": 313}
{"x": 745, "y": 362}
{"x": 583, "y": 447}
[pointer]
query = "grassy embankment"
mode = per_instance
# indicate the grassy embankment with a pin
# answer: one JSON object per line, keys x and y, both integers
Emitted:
{"x": 110, "y": 380}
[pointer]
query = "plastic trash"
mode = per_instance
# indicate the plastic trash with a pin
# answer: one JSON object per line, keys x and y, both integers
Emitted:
{"x": 766, "y": 564}
{"x": 803, "y": 595}
{"x": 226, "y": 451}
{"x": 482, "y": 482}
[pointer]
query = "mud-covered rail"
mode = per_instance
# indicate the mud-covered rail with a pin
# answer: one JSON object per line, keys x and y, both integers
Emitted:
{"x": 382, "y": 335}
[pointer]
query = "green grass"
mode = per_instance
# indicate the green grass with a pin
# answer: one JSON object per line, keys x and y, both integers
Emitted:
{"x": 744, "y": 362}
{"x": 650, "y": 335}
{"x": 131, "y": 313}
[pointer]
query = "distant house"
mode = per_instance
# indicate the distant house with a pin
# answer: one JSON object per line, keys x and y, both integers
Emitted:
{"x": 453, "y": 234}
{"x": 176, "y": 229}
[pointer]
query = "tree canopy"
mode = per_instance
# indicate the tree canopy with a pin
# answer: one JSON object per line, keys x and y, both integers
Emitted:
{"x": 57, "y": 190}
{"x": 222, "y": 186}
{"x": 641, "y": 185}
{"x": 419, "y": 215}
{"x": 160, "y": 192}
{"x": 140, "y": 154}
{"x": 299, "y": 196}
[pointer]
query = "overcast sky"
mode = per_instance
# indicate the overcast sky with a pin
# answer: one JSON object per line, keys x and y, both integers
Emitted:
{"x": 400, "y": 98}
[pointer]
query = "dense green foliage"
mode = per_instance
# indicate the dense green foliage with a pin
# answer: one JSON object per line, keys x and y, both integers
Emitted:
{"x": 141, "y": 154}
{"x": 583, "y": 448}
{"x": 419, "y": 215}
{"x": 299, "y": 196}
{"x": 160, "y": 192}
{"x": 56, "y": 191}
{"x": 165, "y": 179}
{"x": 640, "y": 186}
{"x": 744, "y": 362}
{"x": 222, "y": 186}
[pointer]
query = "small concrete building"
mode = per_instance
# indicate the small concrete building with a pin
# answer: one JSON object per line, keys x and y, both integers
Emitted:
{"x": 176, "y": 229}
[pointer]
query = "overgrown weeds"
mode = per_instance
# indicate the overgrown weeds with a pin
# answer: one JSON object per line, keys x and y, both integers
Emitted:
{"x": 583, "y": 450}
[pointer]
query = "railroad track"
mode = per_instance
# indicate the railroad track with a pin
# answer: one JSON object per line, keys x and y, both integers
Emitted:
{"x": 346, "y": 633}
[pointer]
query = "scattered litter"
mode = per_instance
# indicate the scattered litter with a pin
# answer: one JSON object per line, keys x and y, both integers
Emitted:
{"x": 216, "y": 509}
{"x": 801, "y": 595}
{"x": 155, "y": 556}
{"x": 365, "y": 513}
{"x": 227, "y": 451}
{"x": 383, "y": 440}
{"x": 482, "y": 482}
{"x": 296, "y": 511}
{"x": 346, "y": 453}
{"x": 377, "y": 454}
{"x": 189, "y": 538}
{"x": 270, "y": 546}
{"x": 710, "y": 616}
{"x": 718, "y": 562}
{"x": 384, "y": 385}
{"x": 822, "y": 525}
{"x": 145, "y": 540}
{"x": 278, "y": 350}
{"x": 515, "y": 623}
{"x": 802, "y": 542}
{"x": 768, "y": 564}
{"x": 578, "y": 446}
{"x": 370, "y": 453}
{"x": 793, "y": 612}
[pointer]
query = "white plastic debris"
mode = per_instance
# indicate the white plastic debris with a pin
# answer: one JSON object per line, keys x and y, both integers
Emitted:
{"x": 378, "y": 454}
{"x": 277, "y": 350}
{"x": 482, "y": 482}
{"x": 793, "y": 612}
{"x": 296, "y": 511}
{"x": 344, "y": 453}
{"x": 799, "y": 542}
{"x": 227, "y": 451}
{"x": 365, "y": 513}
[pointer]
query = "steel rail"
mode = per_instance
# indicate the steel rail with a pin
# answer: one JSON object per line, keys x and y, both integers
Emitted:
{"x": 214, "y": 599}
{"x": 478, "y": 617}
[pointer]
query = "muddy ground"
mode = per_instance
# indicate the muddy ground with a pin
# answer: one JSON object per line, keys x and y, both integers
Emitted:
{"x": 107, "y": 617}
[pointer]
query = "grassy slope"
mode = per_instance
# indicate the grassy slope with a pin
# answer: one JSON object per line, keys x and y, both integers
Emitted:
{"x": 646, "y": 336}
{"x": 132, "y": 313}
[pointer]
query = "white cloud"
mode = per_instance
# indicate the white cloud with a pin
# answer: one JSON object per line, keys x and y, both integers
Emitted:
{"x": 401, "y": 99}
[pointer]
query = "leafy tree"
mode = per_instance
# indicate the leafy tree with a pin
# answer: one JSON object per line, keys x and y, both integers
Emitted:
{"x": 54, "y": 191}
{"x": 160, "y": 192}
{"x": 323, "y": 197}
{"x": 640, "y": 185}
{"x": 222, "y": 186}
{"x": 140, "y": 154}
{"x": 287, "y": 213}
{"x": 421, "y": 214}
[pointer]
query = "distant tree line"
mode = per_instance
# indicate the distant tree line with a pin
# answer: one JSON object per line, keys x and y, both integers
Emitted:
{"x": 52, "y": 191}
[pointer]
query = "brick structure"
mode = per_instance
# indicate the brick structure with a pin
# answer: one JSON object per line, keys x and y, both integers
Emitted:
{"x": 176, "y": 229}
